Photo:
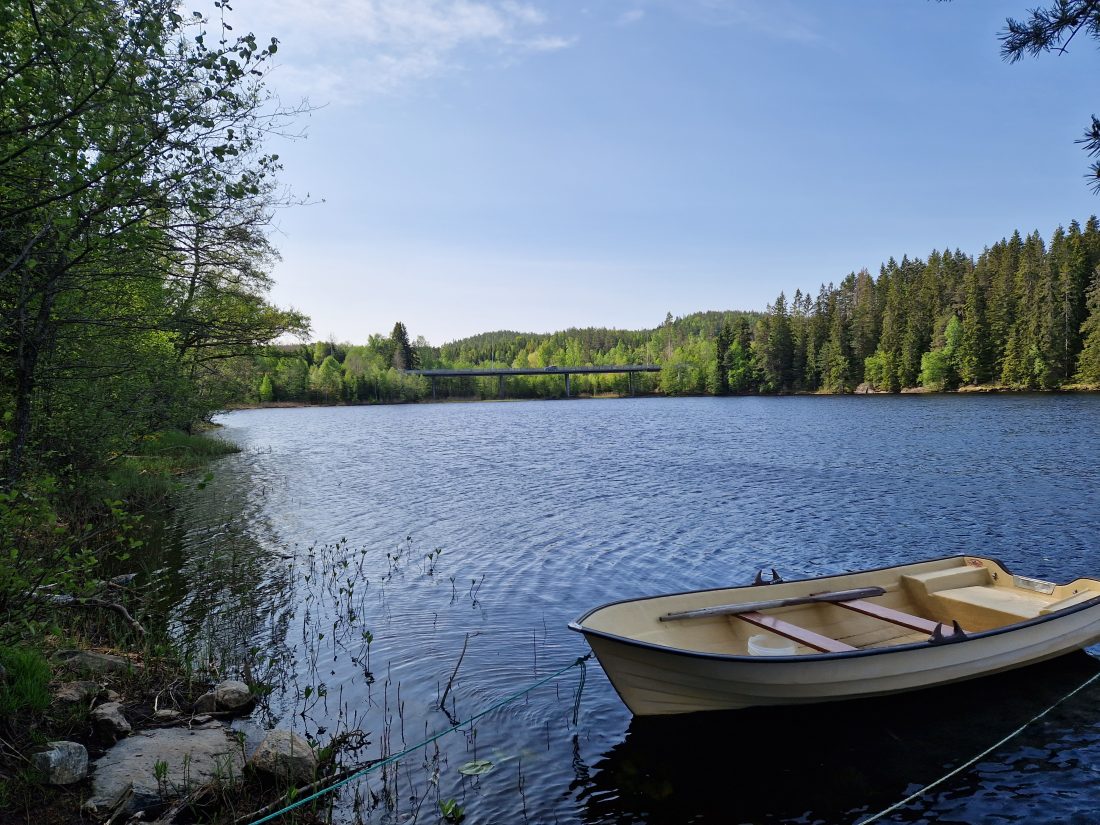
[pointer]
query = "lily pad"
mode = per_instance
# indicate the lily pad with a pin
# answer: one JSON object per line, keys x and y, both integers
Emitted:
{"x": 478, "y": 767}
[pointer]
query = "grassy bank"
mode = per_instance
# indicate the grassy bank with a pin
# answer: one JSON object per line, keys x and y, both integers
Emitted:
{"x": 55, "y": 543}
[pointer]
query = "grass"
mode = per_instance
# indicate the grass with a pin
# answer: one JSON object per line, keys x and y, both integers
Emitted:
{"x": 26, "y": 688}
{"x": 149, "y": 474}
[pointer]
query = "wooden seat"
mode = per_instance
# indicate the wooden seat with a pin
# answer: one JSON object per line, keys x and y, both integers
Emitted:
{"x": 888, "y": 614}
{"x": 795, "y": 633}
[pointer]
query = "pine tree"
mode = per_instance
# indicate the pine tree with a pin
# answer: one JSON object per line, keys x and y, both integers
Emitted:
{"x": 404, "y": 356}
{"x": 774, "y": 346}
{"x": 721, "y": 354}
{"x": 1088, "y": 366}
{"x": 974, "y": 357}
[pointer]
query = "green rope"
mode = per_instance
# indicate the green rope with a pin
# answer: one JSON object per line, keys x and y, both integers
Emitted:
{"x": 579, "y": 662}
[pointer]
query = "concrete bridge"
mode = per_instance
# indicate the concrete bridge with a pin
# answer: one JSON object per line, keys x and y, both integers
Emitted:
{"x": 501, "y": 374}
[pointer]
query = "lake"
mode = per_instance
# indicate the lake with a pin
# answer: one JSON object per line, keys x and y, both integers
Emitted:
{"x": 374, "y": 563}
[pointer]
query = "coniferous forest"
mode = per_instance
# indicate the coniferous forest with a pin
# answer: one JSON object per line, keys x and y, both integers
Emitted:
{"x": 1022, "y": 315}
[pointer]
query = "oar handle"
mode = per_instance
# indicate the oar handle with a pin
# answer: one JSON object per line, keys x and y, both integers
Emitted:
{"x": 748, "y": 607}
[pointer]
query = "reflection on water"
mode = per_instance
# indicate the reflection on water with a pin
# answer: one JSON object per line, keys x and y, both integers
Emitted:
{"x": 349, "y": 555}
{"x": 840, "y": 762}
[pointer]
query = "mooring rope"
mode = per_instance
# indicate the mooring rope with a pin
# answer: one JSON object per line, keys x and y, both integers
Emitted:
{"x": 579, "y": 662}
{"x": 970, "y": 762}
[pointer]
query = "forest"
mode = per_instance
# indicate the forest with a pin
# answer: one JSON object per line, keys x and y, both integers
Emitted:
{"x": 1023, "y": 315}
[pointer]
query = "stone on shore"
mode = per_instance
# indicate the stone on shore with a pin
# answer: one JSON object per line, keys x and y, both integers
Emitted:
{"x": 63, "y": 764}
{"x": 230, "y": 695}
{"x": 86, "y": 660}
{"x": 108, "y": 719}
{"x": 76, "y": 692}
{"x": 286, "y": 756}
{"x": 192, "y": 758}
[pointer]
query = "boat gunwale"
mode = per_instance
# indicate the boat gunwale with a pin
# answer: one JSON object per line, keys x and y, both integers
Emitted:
{"x": 820, "y": 656}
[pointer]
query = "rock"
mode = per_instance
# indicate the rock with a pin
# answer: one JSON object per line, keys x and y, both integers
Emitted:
{"x": 78, "y": 660}
{"x": 74, "y": 692}
{"x": 63, "y": 764}
{"x": 232, "y": 695}
{"x": 167, "y": 715}
{"x": 111, "y": 696}
{"x": 286, "y": 756}
{"x": 226, "y": 696}
{"x": 108, "y": 719}
{"x": 192, "y": 758}
{"x": 864, "y": 389}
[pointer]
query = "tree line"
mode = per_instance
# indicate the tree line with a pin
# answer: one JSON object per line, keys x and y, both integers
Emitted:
{"x": 1025, "y": 314}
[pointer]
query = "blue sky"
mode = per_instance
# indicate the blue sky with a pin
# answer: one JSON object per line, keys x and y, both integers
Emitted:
{"x": 533, "y": 165}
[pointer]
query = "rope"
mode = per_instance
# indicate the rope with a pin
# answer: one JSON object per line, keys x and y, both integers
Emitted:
{"x": 580, "y": 689}
{"x": 579, "y": 662}
{"x": 980, "y": 756}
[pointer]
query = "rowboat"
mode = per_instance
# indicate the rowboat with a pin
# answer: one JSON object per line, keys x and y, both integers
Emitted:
{"x": 848, "y": 636}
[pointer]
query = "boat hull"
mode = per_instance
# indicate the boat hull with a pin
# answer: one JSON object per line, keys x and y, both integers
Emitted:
{"x": 658, "y": 677}
{"x": 652, "y": 681}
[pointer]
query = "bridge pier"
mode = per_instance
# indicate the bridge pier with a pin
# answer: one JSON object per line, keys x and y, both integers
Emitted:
{"x": 500, "y": 386}
{"x": 567, "y": 375}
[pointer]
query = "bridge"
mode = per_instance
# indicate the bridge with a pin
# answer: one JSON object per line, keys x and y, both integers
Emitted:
{"x": 501, "y": 374}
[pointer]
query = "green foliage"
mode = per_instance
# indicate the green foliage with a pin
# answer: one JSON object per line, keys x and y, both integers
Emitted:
{"x": 939, "y": 367}
{"x": 266, "y": 390}
{"x": 26, "y": 688}
{"x": 1088, "y": 368}
{"x": 451, "y": 811}
{"x": 134, "y": 201}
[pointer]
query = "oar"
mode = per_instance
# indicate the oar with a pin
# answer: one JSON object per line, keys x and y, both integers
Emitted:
{"x": 748, "y": 607}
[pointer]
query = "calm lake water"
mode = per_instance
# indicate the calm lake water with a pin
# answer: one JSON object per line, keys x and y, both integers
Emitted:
{"x": 424, "y": 529}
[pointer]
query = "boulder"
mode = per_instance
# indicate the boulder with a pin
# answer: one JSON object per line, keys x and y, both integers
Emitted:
{"x": 165, "y": 715}
{"x": 108, "y": 719}
{"x": 229, "y": 695}
{"x": 85, "y": 660}
{"x": 190, "y": 757}
{"x": 286, "y": 756}
{"x": 75, "y": 692}
{"x": 63, "y": 763}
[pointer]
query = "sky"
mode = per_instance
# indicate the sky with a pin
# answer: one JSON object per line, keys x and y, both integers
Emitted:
{"x": 479, "y": 165}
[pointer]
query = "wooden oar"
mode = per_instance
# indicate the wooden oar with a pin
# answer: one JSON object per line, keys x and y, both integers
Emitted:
{"x": 748, "y": 607}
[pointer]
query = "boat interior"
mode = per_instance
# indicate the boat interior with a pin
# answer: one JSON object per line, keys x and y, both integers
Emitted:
{"x": 938, "y": 601}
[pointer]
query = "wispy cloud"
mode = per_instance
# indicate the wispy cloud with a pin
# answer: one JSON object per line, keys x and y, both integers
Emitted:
{"x": 631, "y": 16}
{"x": 344, "y": 50}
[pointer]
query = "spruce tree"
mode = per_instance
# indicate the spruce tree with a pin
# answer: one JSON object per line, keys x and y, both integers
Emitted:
{"x": 404, "y": 356}
{"x": 1088, "y": 366}
{"x": 721, "y": 354}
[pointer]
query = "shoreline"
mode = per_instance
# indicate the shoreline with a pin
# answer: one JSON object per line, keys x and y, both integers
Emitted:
{"x": 972, "y": 389}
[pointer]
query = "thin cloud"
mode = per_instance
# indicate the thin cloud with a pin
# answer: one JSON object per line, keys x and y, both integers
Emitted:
{"x": 344, "y": 50}
{"x": 630, "y": 17}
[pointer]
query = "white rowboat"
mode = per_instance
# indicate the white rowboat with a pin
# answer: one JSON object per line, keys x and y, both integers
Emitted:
{"x": 840, "y": 637}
